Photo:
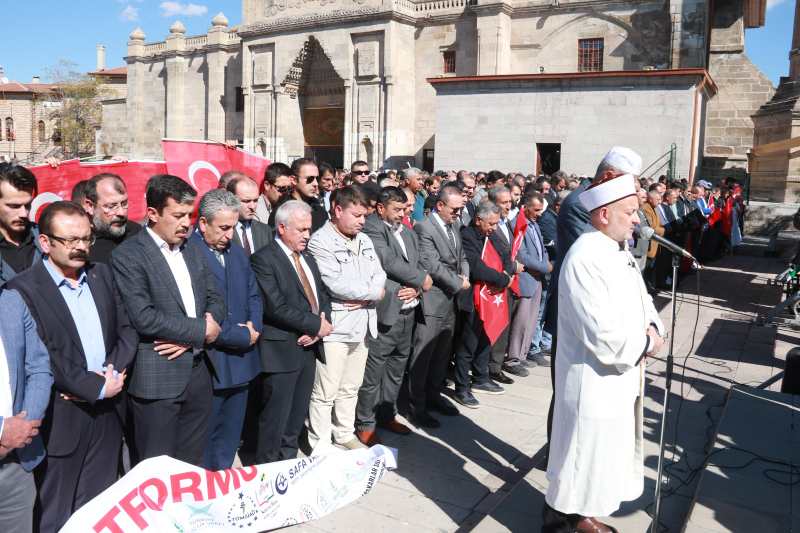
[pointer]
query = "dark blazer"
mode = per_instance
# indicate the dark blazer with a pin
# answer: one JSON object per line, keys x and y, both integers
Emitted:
{"x": 473, "y": 241}
{"x": 262, "y": 235}
{"x": 399, "y": 270}
{"x": 56, "y": 328}
{"x": 235, "y": 360}
{"x": 155, "y": 308}
{"x": 287, "y": 311}
{"x": 100, "y": 251}
{"x": 572, "y": 220}
{"x": 28, "y": 370}
{"x": 443, "y": 265}
{"x": 547, "y": 225}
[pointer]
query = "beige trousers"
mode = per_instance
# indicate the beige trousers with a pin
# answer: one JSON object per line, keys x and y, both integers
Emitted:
{"x": 332, "y": 410}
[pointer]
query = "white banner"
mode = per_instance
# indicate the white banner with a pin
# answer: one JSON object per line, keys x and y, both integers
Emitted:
{"x": 169, "y": 496}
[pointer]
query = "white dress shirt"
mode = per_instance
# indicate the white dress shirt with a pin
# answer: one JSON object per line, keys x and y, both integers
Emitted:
{"x": 241, "y": 226}
{"x": 303, "y": 263}
{"x": 398, "y": 235}
{"x": 442, "y": 224}
{"x": 180, "y": 272}
{"x": 503, "y": 226}
{"x": 6, "y": 401}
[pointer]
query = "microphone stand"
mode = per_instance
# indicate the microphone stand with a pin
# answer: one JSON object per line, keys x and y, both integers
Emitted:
{"x": 676, "y": 261}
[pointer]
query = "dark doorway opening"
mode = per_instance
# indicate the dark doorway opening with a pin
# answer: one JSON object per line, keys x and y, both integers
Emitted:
{"x": 427, "y": 160}
{"x": 333, "y": 155}
{"x": 549, "y": 157}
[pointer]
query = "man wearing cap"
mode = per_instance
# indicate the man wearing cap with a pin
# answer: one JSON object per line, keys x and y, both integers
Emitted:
{"x": 572, "y": 220}
{"x": 607, "y": 326}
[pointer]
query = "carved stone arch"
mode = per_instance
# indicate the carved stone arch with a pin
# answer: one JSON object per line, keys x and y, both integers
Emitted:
{"x": 312, "y": 72}
{"x": 366, "y": 151}
{"x": 634, "y": 36}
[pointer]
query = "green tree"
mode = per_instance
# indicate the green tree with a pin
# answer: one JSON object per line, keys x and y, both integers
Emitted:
{"x": 80, "y": 110}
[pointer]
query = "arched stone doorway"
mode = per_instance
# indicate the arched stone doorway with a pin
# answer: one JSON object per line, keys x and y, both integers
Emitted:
{"x": 320, "y": 92}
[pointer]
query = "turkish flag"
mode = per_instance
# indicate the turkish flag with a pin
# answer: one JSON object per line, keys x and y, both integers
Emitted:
{"x": 727, "y": 217}
{"x": 491, "y": 308}
{"x": 201, "y": 163}
{"x": 135, "y": 175}
{"x": 520, "y": 228}
{"x": 715, "y": 216}
{"x": 55, "y": 184}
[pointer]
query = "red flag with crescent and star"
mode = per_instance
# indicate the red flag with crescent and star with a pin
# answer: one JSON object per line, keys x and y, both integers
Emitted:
{"x": 491, "y": 308}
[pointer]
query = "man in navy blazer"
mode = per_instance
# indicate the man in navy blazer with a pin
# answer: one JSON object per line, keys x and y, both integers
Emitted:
{"x": 81, "y": 320}
{"x": 236, "y": 359}
{"x": 533, "y": 255}
{"x": 297, "y": 310}
{"x": 25, "y": 382}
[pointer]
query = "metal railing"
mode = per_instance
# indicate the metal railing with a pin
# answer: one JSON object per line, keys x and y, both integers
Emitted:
{"x": 657, "y": 167}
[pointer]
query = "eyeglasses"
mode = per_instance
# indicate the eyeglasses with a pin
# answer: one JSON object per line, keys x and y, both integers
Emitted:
{"x": 454, "y": 209}
{"x": 113, "y": 208}
{"x": 72, "y": 242}
{"x": 360, "y": 172}
{"x": 311, "y": 179}
{"x": 283, "y": 189}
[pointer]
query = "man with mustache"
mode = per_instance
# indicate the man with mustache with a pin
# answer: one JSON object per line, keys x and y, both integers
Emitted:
{"x": 354, "y": 279}
{"x": 175, "y": 305}
{"x": 92, "y": 344}
{"x": 19, "y": 236}
{"x": 305, "y": 187}
{"x": 106, "y": 203}
{"x": 296, "y": 313}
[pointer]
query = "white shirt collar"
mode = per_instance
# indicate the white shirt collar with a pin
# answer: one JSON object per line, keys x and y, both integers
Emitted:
{"x": 162, "y": 244}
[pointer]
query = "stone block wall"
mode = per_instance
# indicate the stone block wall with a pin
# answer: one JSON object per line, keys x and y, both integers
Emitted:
{"x": 482, "y": 126}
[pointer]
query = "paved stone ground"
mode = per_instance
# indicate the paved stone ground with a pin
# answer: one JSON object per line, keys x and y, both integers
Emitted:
{"x": 478, "y": 472}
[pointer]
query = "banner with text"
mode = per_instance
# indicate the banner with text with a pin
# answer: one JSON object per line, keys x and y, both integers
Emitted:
{"x": 166, "y": 495}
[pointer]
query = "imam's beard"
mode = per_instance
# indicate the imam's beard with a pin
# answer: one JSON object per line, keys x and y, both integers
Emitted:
{"x": 109, "y": 230}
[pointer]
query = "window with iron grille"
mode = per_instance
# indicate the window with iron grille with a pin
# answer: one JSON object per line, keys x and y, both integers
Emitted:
{"x": 449, "y": 62}
{"x": 590, "y": 55}
{"x": 239, "y": 99}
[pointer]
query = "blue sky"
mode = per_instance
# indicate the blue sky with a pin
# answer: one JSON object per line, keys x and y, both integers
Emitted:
{"x": 72, "y": 30}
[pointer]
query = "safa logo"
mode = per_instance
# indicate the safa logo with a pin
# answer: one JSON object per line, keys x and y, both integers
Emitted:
{"x": 281, "y": 483}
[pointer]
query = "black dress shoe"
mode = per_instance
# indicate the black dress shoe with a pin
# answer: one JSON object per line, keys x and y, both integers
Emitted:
{"x": 444, "y": 408}
{"x": 422, "y": 418}
{"x": 499, "y": 377}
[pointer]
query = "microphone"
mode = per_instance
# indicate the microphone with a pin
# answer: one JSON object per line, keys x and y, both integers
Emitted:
{"x": 649, "y": 234}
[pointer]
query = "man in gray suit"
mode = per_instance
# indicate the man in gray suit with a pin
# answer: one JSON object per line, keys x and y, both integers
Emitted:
{"x": 443, "y": 257}
{"x": 173, "y": 302}
{"x": 250, "y": 234}
{"x": 25, "y": 382}
{"x": 641, "y": 246}
{"x": 396, "y": 246}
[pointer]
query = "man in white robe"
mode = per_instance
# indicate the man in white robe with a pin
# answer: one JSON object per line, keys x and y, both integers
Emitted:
{"x": 607, "y": 325}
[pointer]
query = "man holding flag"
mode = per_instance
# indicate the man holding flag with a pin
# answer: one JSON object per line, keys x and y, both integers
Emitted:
{"x": 486, "y": 306}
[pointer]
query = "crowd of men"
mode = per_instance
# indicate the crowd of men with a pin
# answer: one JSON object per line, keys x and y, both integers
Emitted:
{"x": 279, "y": 312}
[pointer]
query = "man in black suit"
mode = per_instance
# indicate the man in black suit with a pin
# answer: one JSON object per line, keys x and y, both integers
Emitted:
{"x": 174, "y": 304}
{"x": 442, "y": 256}
{"x": 475, "y": 348}
{"x": 106, "y": 203}
{"x": 82, "y": 322}
{"x": 296, "y": 308}
{"x": 396, "y": 246}
{"x": 250, "y": 234}
{"x": 502, "y": 240}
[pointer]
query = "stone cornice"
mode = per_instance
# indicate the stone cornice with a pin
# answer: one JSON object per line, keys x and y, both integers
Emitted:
{"x": 316, "y": 20}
